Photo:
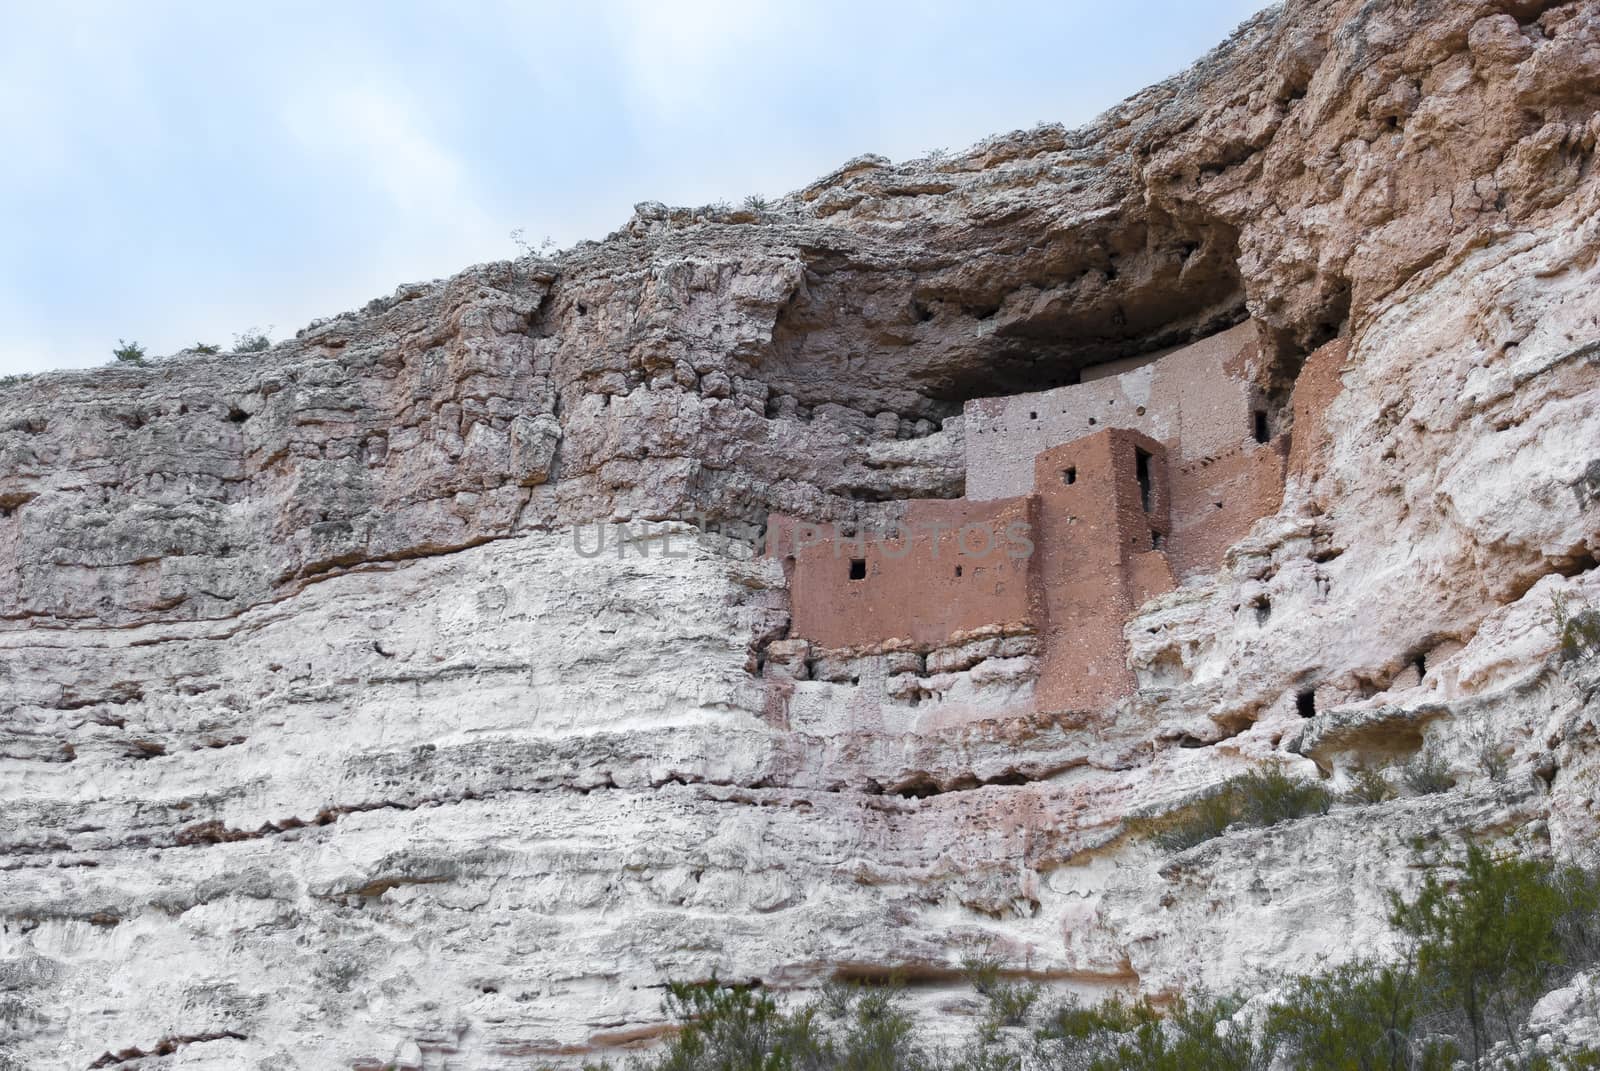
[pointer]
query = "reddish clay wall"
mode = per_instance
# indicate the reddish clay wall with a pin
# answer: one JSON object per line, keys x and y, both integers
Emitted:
{"x": 1097, "y": 543}
{"x": 1216, "y": 501}
{"x": 1096, "y": 561}
{"x": 958, "y": 566}
{"x": 1315, "y": 389}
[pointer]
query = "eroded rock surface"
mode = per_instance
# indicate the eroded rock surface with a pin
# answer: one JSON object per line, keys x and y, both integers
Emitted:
{"x": 327, "y": 740}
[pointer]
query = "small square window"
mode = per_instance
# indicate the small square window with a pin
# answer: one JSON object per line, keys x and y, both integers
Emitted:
{"x": 1069, "y": 476}
{"x": 858, "y": 568}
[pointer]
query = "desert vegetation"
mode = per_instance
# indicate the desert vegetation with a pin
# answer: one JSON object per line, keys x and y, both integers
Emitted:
{"x": 1577, "y": 627}
{"x": 252, "y": 340}
{"x": 125, "y": 352}
{"x": 1255, "y": 800}
{"x": 1476, "y": 947}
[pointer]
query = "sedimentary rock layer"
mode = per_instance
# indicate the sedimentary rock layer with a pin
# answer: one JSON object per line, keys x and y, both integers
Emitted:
{"x": 325, "y": 741}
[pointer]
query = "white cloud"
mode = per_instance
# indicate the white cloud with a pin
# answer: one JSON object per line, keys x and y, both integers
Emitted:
{"x": 674, "y": 55}
{"x": 376, "y": 135}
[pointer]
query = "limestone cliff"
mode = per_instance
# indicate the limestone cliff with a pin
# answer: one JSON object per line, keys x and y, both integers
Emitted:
{"x": 326, "y": 741}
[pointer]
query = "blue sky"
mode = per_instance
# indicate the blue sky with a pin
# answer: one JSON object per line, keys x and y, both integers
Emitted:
{"x": 181, "y": 172}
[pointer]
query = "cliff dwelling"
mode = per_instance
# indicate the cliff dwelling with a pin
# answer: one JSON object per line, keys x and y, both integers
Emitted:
{"x": 1082, "y": 502}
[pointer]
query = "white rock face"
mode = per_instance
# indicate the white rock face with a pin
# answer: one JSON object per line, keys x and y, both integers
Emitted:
{"x": 325, "y": 740}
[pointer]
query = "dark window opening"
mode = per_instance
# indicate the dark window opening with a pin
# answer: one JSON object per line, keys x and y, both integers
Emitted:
{"x": 958, "y": 570}
{"x": 1263, "y": 431}
{"x": 1141, "y": 468}
{"x": 858, "y": 568}
{"x": 1069, "y": 476}
{"x": 1306, "y": 703}
{"x": 1263, "y": 607}
{"x": 1033, "y": 416}
{"x": 1421, "y": 662}
{"x": 1155, "y": 539}
{"x": 237, "y": 416}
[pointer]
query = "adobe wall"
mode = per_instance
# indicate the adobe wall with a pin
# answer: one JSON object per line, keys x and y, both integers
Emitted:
{"x": 1097, "y": 561}
{"x": 1197, "y": 399}
{"x": 958, "y": 566}
{"x": 1099, "y": 541}
{"x": 1216, "y": 500}
{"x": 1314, "y": 390}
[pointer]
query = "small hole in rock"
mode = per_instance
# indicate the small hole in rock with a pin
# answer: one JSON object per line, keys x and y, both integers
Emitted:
{"x": 1306, "y": 703}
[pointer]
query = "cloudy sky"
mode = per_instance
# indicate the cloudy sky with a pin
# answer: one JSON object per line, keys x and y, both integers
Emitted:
{"x": 182, "y": 172}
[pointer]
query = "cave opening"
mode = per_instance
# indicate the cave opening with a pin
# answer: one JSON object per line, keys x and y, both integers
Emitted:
{"x": 1053, "y": 313}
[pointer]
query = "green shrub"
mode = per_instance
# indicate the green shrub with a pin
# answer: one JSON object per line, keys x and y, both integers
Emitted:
{"x": 1204, "y": 819}
{"x": 1009, "y": 1002}
{"x": 1267, "y": 797}
{"x": 1074, "y": 1036}
{"x": 756, "y": 203}
{"x": 1509, "y": 931}
{"x": 252, "y": 340}
{"x": 1368, "y": 786}
{"x": 1360, "y": 1016}
{"x": 128, "y": 352}
{"x": 1577, "y": 628}
{"x": 726, "y": 1028}
{"x": 1257, "y": 799}
{"x": 1122, "y": 1036}
{"x": 1427, "y": 773}
{"x": 206, "y": 348}
{"x": 1478, "y": 952}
